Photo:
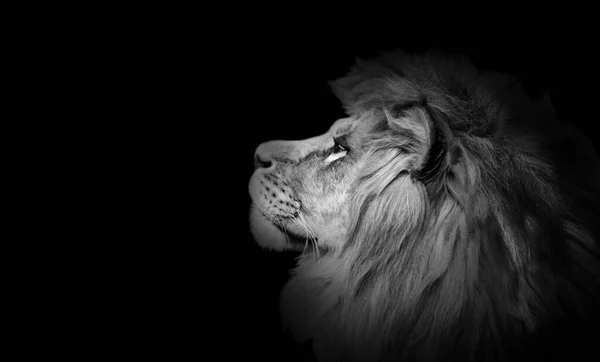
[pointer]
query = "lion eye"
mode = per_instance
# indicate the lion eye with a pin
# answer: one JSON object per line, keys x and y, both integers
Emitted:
{"x": 338, "y": 146}
{"x": 338, "y": 150}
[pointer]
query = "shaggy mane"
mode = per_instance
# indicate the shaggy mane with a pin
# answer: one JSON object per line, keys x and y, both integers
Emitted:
{"x": 468, "y": 241}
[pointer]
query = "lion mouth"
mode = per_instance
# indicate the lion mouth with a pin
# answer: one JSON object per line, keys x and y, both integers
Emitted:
{"x": 294, "y": 241}
{"x": 299, "y": 242}
{"x": 292, "y": 237}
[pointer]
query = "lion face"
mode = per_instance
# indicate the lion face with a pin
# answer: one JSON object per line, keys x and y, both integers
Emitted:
{"x": 300, "y": 189}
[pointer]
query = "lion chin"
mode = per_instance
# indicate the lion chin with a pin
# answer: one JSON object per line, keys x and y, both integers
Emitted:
{"x": 267, "y": 234}
{"x": 273, "y": 237}
{"x": 449, "y": 217}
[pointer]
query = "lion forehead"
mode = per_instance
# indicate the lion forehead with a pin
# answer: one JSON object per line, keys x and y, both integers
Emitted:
{"x": 297, "y": 150}
{"x": 344, "y": 126}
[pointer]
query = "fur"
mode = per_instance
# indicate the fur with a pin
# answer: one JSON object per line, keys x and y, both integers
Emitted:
{"x": 467, "y": 238}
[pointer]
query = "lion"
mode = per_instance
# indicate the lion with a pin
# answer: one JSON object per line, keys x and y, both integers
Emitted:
{"x": 448, "y": 217}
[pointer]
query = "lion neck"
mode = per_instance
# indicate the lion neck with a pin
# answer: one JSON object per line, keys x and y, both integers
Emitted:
{"x": 316, "y": 304}
{"x": 321, "y": 301}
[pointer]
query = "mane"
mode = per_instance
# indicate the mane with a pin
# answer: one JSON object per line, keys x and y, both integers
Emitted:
{"x": 465, "y": 242}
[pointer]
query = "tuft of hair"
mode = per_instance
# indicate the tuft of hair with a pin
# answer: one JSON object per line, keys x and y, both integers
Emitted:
{"x": 474, "y": 225}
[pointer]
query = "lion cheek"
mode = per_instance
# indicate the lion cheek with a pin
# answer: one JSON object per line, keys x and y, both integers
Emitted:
{"x": 332, "y": 221}
{"x": 332, "y": 229}
{"x": 332, "y": 235}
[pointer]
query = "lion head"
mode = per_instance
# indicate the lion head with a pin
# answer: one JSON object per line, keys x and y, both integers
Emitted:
{"x": 433, "y": 222}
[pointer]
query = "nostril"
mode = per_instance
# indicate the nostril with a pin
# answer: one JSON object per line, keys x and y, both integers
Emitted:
{"x": 261, "y": 162}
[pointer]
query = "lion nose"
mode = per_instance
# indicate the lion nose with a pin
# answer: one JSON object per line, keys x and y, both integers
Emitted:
{"x": 267, "y": 154}
{"x": 260, "y": 161}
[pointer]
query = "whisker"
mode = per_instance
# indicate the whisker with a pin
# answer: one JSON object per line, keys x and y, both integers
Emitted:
{"x": 302, "y": 224}
{"x": 311, "y": 236}
{"x": 295, "y": 220}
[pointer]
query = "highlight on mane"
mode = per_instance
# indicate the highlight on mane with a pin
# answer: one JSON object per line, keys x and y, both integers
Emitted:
{"x": 469, "y": 236}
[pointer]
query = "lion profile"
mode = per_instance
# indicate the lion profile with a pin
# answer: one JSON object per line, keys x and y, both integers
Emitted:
{"x": 449, "y": 218}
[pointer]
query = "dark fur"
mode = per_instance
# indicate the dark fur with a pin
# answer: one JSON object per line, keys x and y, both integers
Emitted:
{"x": 481, "y": 245}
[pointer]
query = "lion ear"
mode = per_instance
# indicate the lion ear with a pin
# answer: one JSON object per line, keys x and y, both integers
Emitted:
{"x": 455, "y": 154}
{"x": 415, "y": 120}
{"x": 461, "y": 175}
